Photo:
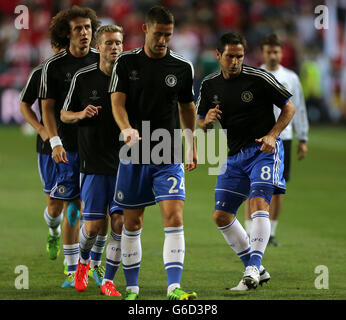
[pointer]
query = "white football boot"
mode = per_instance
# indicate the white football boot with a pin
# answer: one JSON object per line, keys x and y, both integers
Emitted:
{"x": 251, "y": 277}
{"x": 264, "y": 277}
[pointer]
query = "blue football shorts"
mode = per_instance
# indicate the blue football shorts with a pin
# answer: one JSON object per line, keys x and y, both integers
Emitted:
{"x": 67, "y": 183}
{"x": 250, "y": 173}
{"x": 97, "y": 192}
{"x": 141, "y": 185}
{"x": 47, "y": 169}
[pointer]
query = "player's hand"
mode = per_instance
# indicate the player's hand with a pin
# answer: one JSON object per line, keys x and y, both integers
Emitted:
{"x": 302, "y": 150}
{"x": 59, "y": 154}
{"x": 130, "y": 136}
{"x": 268, "y": 143}
{"x": 90, "y": 111}
{"x": 213, "y": 115}
{"x": 43, "y": 134}
{"x": 191, "y": 151}
{"x": 193, "y": 165}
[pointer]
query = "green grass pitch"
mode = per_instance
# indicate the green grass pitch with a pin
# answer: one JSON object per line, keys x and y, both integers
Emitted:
{"x": 311, "y": 232}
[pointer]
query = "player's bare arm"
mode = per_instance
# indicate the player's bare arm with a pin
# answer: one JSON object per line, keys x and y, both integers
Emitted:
{"x": 187, "y": 114}
{"x": 302, "y": 150}
{"x": 212, "y": 115}
{"x": 68, "y": 116}
{"x": 130, "y": 135}
{"x": 30, "y": 117}
{"x": 48, "y": 117}
{"x": 268, "y": 141}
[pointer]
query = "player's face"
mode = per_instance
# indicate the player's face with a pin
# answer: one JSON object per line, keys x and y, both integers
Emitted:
{"x": 157, "y": 37}
{"x": 272, "y": 56}
{"x": 231, "y": 59}
{"x": 110, "y": 46}
{"x": 80, "y": 32}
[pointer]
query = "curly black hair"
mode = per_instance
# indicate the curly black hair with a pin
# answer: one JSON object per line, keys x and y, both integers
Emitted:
{"x": 60, "y": 26}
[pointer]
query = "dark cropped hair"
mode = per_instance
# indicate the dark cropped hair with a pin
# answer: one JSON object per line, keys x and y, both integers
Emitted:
{"x": 230, "y": 38}
{"x": 60, "y": 26}
{"x": 271, "y": 40}
{"x": 159, "y": 14}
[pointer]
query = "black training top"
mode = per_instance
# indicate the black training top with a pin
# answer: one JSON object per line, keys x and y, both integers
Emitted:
{"x": 98, "y": 137}
{"x": 56, "y": 77}
{"x": 153, "y": 88}
{"x": 29, "y": 95}
{"x": 246, "y": 102}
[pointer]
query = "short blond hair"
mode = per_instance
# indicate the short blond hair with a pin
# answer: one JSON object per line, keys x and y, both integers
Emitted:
{"x": 109, "y": 28}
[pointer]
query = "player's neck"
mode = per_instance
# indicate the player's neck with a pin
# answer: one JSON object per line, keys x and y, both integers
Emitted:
{"x": 153, "y": 55}
{"x": 106, "y": 67}
{"x": 79, "y": 52}
{"x": 226, "y": 75}
{"x": 270, "y": 68}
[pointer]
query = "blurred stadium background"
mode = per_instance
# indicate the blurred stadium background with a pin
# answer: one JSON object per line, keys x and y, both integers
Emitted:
{"x": 317, "y": 55}
{"x": 313, "y": 221}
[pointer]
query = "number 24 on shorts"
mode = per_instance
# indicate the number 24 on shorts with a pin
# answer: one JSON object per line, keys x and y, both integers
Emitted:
{"x": 174, "y": 188}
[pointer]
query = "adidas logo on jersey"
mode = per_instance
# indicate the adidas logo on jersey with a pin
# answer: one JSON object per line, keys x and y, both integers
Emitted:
{"x": 68, "y": 77}
{"x": 94, "y": 95}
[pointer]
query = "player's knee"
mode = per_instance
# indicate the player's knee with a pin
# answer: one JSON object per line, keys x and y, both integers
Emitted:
{"x": 176, "y": 222}
{"x": 216, "y": 217}
{"x": 55, "y": 207}
{"x": 133, "y": 219}
{"x": 92, "y": 228}
{"x": 222, "y": 218}
{"x": 259, "y": 203}
{"x": 117, "y": 223}
{"x": 260, "y": 198}
{"x": 133, "y": 224}
{"x": 173, "y": 219}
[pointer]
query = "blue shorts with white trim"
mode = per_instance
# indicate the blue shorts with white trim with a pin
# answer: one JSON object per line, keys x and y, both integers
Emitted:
{"x": 67, "y": 183}
{"x": 47, "y": 169}
{"x": 250, "y": 173}
{"x": 141, "y": 185}
{"x": 97, "y": 193}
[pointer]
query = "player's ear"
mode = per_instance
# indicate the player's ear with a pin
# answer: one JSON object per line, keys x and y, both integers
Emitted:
{"x": 218, "y": 54}
{"x": 144, "y": 27}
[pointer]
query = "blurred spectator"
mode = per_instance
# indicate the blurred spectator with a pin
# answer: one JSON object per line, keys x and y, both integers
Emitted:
{"x": 20, "y": 53}
{"x": 229, "y": 15}
{"x": 199, "y": 23}
{"x": 186, "y": 42}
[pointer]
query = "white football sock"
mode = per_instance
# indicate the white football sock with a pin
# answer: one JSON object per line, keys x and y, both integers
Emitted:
{"x": 248, "y": 226}
{"x": 173, "y": 255}
{"x": 259, "y": 236}
{"x": 113, "y": 255}
{"x": 273, "y": 225}
{"x": 237, "y": 238}
{"x": 53, "y": 223}
{"x": 131, "y": 249}
{"x": 97, "y": 250}
{"x": 85, "y": 244}
{"x": 71, "y": 253}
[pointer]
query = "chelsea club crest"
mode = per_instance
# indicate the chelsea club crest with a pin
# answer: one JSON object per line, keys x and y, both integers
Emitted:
{"x": 246, "y": 96}
{"x": 171, "y": 80}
